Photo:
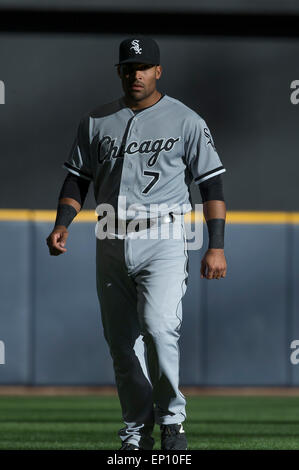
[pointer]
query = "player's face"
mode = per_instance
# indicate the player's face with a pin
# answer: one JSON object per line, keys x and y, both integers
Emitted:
{"x": 139, "y": 80}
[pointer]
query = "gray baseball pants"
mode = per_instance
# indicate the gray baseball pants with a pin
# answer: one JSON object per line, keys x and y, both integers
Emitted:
{"x": 140, "y": 285}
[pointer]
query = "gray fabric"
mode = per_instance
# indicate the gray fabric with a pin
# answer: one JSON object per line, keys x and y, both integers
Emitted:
{"x": 166, "y": 144}
{"x": 140, "y": 284}
{"x": 142, "y": 164}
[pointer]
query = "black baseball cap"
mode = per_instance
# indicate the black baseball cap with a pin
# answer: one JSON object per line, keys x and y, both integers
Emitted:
{"x": 140, "y": 49}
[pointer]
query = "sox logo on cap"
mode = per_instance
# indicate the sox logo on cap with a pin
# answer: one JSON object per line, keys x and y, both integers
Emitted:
{"x": 136, "y": 47}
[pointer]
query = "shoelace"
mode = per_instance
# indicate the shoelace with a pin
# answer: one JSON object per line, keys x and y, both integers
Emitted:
{"x": 170, "y": 430}
{"x": 129, "y": 446}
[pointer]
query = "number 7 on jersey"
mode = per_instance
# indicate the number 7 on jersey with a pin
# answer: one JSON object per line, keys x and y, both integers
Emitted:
{"x": 155, "y": 178}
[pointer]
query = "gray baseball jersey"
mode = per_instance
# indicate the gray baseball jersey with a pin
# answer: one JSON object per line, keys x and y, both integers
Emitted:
{"x": 148, "y": 157}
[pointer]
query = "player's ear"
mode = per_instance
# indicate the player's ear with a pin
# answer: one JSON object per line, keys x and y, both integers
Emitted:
{"x": 158, "y": 71}
{"x": 118, "y": 71}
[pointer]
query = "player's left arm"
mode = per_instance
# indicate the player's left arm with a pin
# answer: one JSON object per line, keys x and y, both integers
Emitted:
{"x": 207, "y": 169}
{"x": 213, "y": 264}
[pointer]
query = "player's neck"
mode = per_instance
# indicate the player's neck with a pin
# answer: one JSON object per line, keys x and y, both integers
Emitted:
{"x": 137, "y": 105}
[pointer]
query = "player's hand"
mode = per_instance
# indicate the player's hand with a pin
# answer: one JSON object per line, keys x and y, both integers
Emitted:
{"x": 213, "y": 264}
{"x": 57, "y": 239}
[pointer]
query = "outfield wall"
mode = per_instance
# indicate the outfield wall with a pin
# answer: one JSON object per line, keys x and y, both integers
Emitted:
{"x": 236, "y": 331}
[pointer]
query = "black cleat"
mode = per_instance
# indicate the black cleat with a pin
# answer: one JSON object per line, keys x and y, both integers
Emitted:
{"x": 173, "y": 437}
{"x": 128, "y": 446}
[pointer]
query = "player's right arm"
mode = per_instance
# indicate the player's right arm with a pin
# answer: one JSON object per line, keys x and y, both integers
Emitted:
{"x": 74, "y": 188}
{"x": 71, "y": 200}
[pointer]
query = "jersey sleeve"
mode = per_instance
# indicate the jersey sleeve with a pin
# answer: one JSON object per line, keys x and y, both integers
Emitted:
{"x": 78, "y": 161}
{"x": 201, "y": 155}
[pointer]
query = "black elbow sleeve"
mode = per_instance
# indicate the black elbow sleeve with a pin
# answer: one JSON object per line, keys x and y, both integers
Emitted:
{"x": 75, "y": 188}
{"x": 212, "y": 189}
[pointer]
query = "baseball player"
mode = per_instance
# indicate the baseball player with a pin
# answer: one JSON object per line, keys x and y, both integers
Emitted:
{"x": 142, "y": 151}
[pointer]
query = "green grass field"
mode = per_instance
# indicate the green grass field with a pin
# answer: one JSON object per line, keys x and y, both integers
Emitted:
{"x": 92, "y": 422}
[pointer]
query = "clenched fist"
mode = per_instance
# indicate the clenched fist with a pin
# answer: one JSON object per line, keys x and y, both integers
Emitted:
{"x": 213, "y": 264}
{"x": 57, "y": 239}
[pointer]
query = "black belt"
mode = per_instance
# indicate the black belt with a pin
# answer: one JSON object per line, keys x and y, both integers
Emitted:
{"x": 142, "y": 224}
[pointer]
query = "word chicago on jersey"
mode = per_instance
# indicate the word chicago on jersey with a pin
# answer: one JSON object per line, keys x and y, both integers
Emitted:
{"x": 108, "y": 150}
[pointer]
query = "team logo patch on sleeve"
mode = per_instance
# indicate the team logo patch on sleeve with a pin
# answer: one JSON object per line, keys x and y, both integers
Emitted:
{"x": 209, "y": 139}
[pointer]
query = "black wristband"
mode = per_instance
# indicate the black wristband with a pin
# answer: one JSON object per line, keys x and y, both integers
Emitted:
{"x": 216, "y": 233}
{"x": 65, "y": 214}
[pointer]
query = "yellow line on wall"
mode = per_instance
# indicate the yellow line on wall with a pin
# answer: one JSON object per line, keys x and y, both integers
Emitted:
{"x": 232, "y": 217}
{"x": 262, "y": 217}
{"x": 41, "y": 215}
{"x": 251, "y": 217}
